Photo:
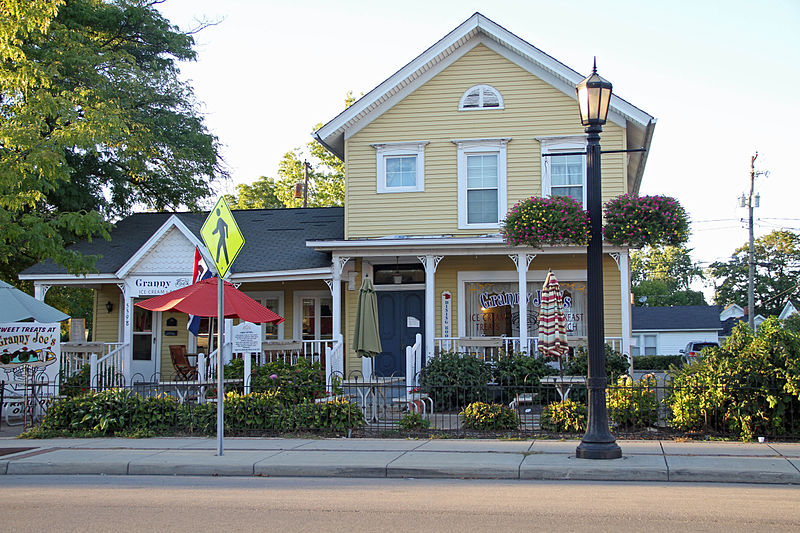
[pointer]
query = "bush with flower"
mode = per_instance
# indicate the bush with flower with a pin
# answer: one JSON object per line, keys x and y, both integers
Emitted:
{"x": 639, "y": 221}
{"x": 537, "y": 221}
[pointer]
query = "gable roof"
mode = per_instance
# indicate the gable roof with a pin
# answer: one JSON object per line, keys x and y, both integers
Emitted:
{"x": 275, "y": 240}
{"x": 677, "y": 318}
{"x": 480, "y": 30}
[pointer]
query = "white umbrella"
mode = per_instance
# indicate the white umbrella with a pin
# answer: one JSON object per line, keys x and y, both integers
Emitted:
{"x": 16, "y": 306}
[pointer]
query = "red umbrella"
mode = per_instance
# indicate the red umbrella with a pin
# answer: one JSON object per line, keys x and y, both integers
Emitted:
{"x": 201, "y": 299}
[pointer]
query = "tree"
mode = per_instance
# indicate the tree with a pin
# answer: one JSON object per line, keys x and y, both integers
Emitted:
{"x": 663, "y": 275}
{"x": 325, "y": 178}
{"x": 777, "y": 271}
{"x": 95, "y": 123}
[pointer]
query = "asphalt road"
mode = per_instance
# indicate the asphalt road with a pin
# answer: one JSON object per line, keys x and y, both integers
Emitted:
{"x": 165, "y": 504}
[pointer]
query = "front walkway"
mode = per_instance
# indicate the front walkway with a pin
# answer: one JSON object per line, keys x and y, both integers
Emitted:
{"x": 429, "y": 458}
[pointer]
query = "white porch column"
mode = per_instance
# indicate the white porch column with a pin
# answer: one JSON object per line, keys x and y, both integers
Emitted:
{"x": 622, "y": 260}
{"x": 523, "y": 261}
{"x": 335, "y": 286}
{"x": 39, "y": 291}
{"x": 430, "y": 262}
{"x": 126, "y": 316}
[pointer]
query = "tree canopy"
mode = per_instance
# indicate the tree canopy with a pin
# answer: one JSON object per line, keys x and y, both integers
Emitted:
{"x": 325, "y": 179}
{"x": 776, "y": 276}
{"x": 95, "y": 123}
{"x": 663, "y": 275}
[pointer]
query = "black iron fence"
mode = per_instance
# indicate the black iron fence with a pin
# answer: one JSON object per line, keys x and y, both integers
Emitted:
{"x": 654, "y": 407}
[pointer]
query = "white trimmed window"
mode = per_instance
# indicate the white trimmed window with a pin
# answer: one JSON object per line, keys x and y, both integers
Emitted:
{"x": 563, "y": 172}
{"x": 481, "y": 183}
{"x": 481, "y": 97}
{"x": 401, "y": 167}
{"x": 272, "y": 300}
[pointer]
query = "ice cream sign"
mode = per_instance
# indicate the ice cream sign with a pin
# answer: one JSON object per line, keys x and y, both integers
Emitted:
{"x": 29, "y": 344}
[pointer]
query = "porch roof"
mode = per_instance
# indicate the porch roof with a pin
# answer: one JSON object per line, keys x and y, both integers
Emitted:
{"x": 274, "y": 241}
{"x": 677, "y": 318}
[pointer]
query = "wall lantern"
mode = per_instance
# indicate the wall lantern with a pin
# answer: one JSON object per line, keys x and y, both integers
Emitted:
{"x": 109, "y": 306}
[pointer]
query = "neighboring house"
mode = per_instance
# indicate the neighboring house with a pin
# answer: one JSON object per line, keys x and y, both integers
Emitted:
{"x": 667, "y": 330}
{"x": 791, "y": 308}
{"x": 434, "y": 156}
{"x": 731, "y": 315}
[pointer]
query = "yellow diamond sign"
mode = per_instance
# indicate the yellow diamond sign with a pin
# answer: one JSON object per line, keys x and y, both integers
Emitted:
{"x": 222, "y": 237}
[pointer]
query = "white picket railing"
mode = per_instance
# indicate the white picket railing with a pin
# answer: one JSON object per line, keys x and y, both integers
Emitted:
{"x": 486, "y": 348}
{"x": 413, "y": 363}
{"x": 108, "y": 370}
{"x": 334, "y": 361}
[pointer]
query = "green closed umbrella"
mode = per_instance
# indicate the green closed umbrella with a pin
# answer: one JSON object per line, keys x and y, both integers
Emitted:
{"x": 367, "y": 338}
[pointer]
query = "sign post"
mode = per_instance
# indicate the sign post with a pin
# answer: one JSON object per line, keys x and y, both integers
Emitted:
{"x": 221, "y": 234}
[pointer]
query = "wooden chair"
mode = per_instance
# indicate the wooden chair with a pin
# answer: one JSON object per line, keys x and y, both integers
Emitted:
{"x": 180, "y": 361}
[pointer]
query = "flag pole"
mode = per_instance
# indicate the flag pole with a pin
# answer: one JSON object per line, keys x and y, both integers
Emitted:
{"x": 220, "y": 365}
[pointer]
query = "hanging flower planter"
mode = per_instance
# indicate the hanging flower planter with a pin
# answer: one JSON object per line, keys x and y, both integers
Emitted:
{"x": 536, "y": 221}
{"x": 638, "y": 221}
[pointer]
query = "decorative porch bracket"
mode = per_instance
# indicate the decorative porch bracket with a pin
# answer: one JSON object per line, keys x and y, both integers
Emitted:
{"x": 39, "y": 291}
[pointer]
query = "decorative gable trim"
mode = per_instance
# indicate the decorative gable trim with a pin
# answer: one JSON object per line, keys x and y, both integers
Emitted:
{"x": 172, "y": 222}
{"x": 475, "y": 30}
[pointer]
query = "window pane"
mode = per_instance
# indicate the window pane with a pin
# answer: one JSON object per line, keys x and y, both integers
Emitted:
{"x": 482, "y": 171}
{"x": 271, "y": 330}
{"x": 326, "y": 318}
{"x": 574, "y": 192}
{"x": 309, "y": 322}
{"x": 566, "y": 170}
{"x": 482, "y": 206}
{"x": 401, "y": 171}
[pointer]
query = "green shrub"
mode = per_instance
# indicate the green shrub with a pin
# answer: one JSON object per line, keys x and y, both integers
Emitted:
{"x": 657, "y": 362}
{"x": 519, "y": 369}
{"x": 77, "y": 383}
{"x": 488, "y": 416}
{"x": 564, "y": 417}
{"x": 123, "y": 413}
{"x": 414, "y": 420}
{"x": 616, "y": 363}
{"x": 633, "y": 405}
{"x": 294, "y": 383}
{"x": 453, "y": 380}
{"x": 749, "y": 386}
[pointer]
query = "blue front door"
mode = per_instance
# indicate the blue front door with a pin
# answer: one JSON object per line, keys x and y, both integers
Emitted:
{"x": 401, "y": 315}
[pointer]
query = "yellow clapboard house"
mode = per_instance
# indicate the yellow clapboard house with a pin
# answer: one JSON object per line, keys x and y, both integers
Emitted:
{"x": 435, "y": 156}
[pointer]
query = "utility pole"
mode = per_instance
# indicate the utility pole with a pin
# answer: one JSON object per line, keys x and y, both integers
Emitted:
{"x": 751, "y": 256}
{"x": 306, "y": 167}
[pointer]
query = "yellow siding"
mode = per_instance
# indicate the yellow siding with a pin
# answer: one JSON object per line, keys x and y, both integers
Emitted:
{"x": 106, "y": 325}
{"x": 533, "y": 109}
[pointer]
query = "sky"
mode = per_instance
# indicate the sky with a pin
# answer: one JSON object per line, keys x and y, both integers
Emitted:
{"x": 721, "y": 78}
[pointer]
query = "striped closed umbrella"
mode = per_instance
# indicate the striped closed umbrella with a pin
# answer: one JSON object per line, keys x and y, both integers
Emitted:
{"x": 552, "y": 323}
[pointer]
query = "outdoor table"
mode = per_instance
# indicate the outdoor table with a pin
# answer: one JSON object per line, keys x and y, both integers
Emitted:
{"x": 372, "y": 393}
{"x": 564, "y": 384}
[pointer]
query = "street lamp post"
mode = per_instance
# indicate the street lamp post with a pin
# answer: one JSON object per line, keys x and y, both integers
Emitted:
{"x": 594, "y": 95}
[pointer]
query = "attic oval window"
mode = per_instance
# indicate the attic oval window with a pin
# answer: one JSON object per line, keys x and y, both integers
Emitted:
{"x": 481, "y": 97}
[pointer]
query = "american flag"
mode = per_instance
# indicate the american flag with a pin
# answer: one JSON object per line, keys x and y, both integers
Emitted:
{"x": 199, "y": 272}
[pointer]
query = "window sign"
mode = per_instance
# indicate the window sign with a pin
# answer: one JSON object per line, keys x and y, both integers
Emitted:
{"x": 492, "y": 309}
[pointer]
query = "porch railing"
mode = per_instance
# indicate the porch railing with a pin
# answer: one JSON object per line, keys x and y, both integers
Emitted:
{"x": 290, "y": 351}
{"x": 487, "y": 348}
{"x": 334, "y": 361}
{"x": 109, "y": 369}
{"x": 413, "y": 363}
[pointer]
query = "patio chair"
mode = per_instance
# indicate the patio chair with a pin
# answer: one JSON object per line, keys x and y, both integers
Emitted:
{"x": 180, "y": 361}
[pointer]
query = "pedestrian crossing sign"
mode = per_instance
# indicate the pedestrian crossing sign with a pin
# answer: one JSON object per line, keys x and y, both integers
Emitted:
{"x": 222, "y": 237}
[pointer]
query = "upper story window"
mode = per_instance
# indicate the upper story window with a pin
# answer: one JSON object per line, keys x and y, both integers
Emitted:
{"x": 481, "y": 182}
{"x": 481, "y": 97}
{"x": 400, "y": 166}
{"x": 563, "y": 172}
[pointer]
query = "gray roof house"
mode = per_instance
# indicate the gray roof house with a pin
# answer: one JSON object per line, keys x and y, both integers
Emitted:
{"x": 667, "y": 330}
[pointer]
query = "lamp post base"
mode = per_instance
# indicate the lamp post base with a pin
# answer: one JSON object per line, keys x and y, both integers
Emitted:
{"x": 598, "y": 450}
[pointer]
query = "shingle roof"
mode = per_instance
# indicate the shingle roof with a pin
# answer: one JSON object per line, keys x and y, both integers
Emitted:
{"x": 679, "y": 317}
{"x": 275, "y": 239}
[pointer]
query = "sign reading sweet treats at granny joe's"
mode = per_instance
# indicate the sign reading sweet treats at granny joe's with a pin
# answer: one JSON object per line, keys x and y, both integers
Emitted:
{"x": 29, "y": 347}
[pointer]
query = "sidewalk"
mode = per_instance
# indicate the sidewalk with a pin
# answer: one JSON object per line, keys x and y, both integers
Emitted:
{"x": 434, "y": 458}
